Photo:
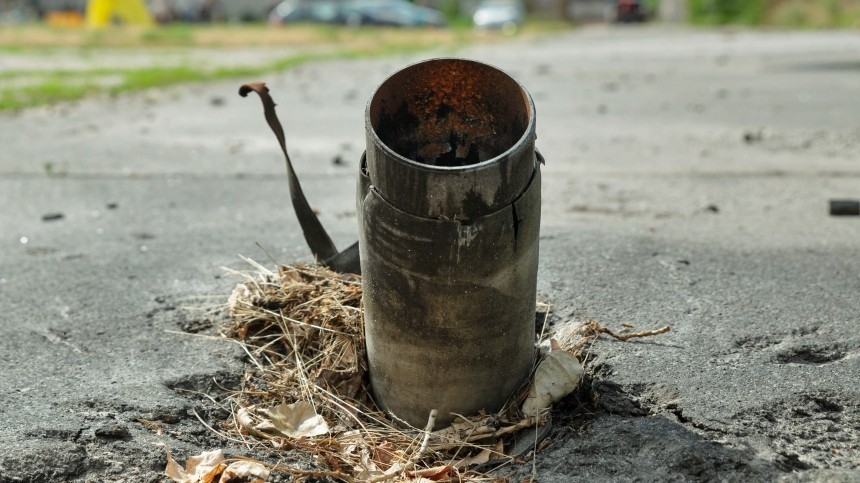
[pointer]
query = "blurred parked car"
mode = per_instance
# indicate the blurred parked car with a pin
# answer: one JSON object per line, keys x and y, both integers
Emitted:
{"x": 303, "y": 11}
{"x": 628, "y": 11}
{"x": 395, "y": 13}
{"x": 499, "y": 14}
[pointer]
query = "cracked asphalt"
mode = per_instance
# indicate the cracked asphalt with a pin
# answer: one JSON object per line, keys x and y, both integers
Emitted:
{"x": 687, "y": 180}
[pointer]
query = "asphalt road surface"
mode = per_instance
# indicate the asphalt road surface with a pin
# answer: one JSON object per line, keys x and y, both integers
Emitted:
{"x": 687, "y": 181}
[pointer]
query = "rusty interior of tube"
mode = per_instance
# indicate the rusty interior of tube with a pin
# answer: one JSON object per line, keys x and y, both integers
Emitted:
{"x": 449, "y": 112}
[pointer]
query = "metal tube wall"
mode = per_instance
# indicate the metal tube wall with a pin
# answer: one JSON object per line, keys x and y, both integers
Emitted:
{"x": 449, "y": 219}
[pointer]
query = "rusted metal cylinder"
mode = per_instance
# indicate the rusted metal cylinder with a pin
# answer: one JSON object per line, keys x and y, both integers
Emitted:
{"x": 449, "y": 218}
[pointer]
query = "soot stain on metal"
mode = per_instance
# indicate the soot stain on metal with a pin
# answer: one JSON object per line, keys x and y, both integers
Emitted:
{"x": 516, "y": 222}
{"x": 474, "y": 206}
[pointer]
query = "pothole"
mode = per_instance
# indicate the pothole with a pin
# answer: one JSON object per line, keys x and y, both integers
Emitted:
{"x": 810, "y": 354}
{"x": 810, "y": 430}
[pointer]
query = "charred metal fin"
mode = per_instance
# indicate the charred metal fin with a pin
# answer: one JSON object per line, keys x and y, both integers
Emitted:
{"x": 315, "y": 235}
{"x": 346, "y": 261}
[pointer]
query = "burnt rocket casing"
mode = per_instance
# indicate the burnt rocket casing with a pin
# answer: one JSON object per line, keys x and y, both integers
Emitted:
{"x": 449, "y": 218}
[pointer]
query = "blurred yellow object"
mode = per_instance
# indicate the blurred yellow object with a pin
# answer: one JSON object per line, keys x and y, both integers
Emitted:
{"x": 64, "y": 19}
{"x": 101, "y": 12}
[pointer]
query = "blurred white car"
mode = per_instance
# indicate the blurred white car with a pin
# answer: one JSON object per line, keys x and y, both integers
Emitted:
{"x": 392, "y": 13}
{"x": 499, "y": 14}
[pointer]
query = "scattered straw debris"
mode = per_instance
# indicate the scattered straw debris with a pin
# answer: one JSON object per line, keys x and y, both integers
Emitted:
{"x": 579, "y": 338}
{"x": 302, "y": 328}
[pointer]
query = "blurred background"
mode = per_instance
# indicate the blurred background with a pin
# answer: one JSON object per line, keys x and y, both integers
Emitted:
{"x": 436, "y": 13}
{"x": 62, "y": 50}
{"x": 692, "y": 147}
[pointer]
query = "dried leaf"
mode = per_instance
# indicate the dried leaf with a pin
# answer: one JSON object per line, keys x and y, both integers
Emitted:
{"x": 206, "y": 466}
{"x": 367, "y": 468}
{"x": 499, "y": 448}
{"x": 212, "y": 475}
{"x": 345, "y": 383}
{"x": 349, "y": 355}
{"x": 463, "y": 428}
{"x": 384, "y": 454}
{"x": 557, "y": 376}
{"x": 435, "y": 473}
{"x": 174, "y": 470}
{"x": 248, "y": 471}
{"x": 477, "y": 459}
{"x": 297, "y": 420}
{"x": 246, "y": 421}
{"x": 203, "y": 468}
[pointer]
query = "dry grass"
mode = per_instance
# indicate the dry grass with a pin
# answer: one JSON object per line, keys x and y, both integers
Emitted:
{"x": 302, "y": 329}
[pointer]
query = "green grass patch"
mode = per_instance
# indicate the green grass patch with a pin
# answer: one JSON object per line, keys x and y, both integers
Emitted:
{"x": 56, "y": 86}
{"x": 168, "y": 35}
{"x": 793, "y": 14}
{"x": 816, "y": 14}
{"x": 48, "y": 91}
{"x": 28, "y": 88}
{"x": 52, "y": 87}
{"x": 723, "y": 12}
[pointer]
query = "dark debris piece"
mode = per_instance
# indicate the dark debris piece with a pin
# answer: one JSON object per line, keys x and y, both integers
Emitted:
{"x": 845, "y": 207}
{"x": 112, "y": 431}
{"x": 752, "y": 137}
{"x": 52, "y": 216}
